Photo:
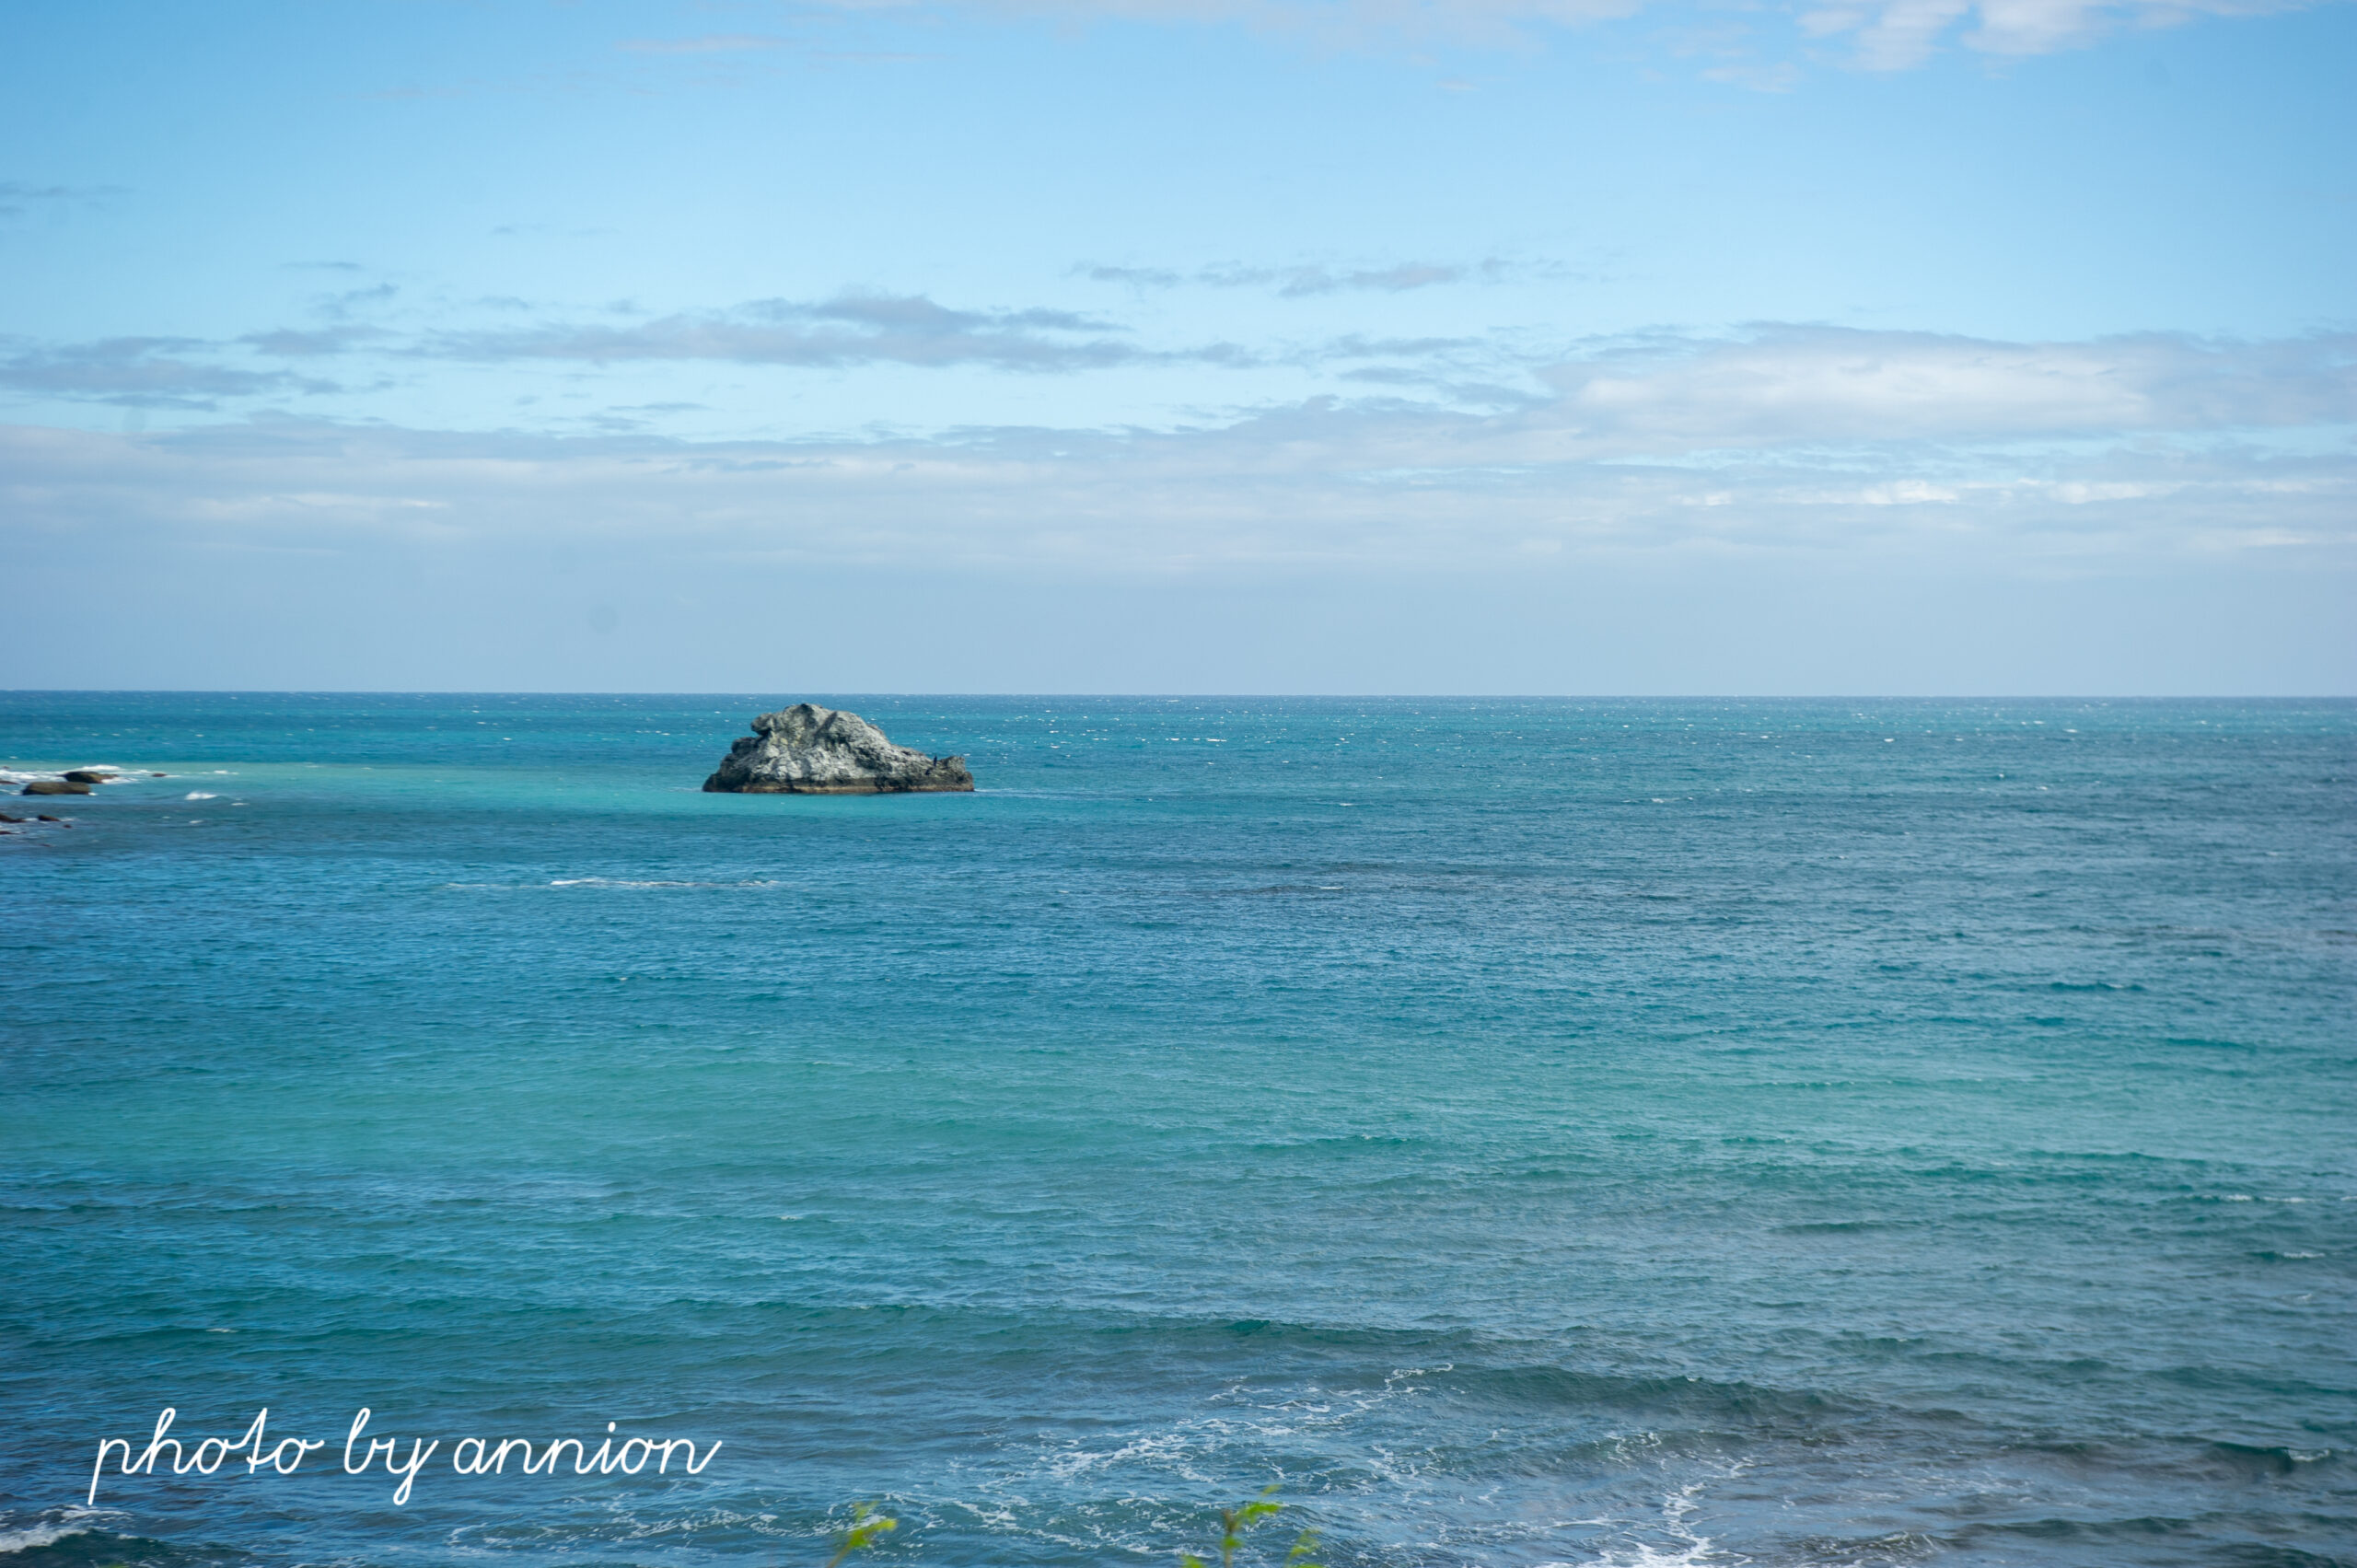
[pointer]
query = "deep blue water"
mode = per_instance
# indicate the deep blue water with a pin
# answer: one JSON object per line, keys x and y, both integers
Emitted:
{"x": 1525, "y": 1131}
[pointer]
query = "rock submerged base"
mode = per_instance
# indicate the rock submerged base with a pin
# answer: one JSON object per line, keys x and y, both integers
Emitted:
{"x": 808, "y": 750}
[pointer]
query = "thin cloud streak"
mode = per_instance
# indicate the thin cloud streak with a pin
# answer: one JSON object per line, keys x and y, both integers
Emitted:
{"x": 1898, "y": 35}
{"x": 909, "y": 329}
{"x": 142, "y": 373}
{"x": 1814, "y": 384}
{"x": 295, "y": 342}
{"x": 1889, "y": 35}
{"x": 1297, "y": 282}
{"x": 20, "y": 200}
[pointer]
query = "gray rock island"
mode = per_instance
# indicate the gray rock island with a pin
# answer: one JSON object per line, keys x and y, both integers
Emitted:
{"x": 808, "y": 750}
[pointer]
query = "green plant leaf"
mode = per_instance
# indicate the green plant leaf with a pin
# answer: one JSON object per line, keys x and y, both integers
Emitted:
{"x": 1233, "y": 1522}
{"x": 866, "y": 1527}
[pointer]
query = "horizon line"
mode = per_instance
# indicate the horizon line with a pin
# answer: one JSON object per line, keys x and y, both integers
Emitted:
{"x": 1212, "y": 696}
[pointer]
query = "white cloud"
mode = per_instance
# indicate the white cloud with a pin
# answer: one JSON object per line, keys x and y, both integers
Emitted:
{"x": 148, "y": 372}
{"x": 1648, "y": 394}
{"x": 1889, "y": 35}
{"x": 1900, "y": 34}
{"x": 1816, "y": 384}
{"x": 1490, "y": 22}
{"x": 846, "y": 331}
{"x": 1795, "y": 439}
{"x": 2141, "y": 515}
{"x": 1302, "y": 282}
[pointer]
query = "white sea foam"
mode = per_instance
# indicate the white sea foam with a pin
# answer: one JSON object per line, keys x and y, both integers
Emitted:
{"x": 199, "y": 794}
{"x": 118, "y": 775}
{"x": 1697, "y": 1555}
{"x": 621, "y": 882}
{"x": 70, "y": 1522}
{"x": 1684, "y": 1549}
{"x": 40, "y": 1535}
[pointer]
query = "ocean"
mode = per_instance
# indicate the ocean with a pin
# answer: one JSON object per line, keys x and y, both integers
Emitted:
{"x": 1519, "y": 1131}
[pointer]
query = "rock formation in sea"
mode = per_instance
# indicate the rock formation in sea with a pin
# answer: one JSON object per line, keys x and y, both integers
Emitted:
{"x": 55, "y": 786}
{"x": 808, "y": 750}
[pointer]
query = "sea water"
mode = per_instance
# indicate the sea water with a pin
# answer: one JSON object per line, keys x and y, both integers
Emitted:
{"x": 1523, "y": 1133}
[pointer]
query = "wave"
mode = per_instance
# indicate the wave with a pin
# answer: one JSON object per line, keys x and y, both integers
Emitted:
{"x": 75, "y": 1537}
{"x": 12, "y": 1542}
{"x": 2253, "y": 1461}
{"x": 80, "y": 1532}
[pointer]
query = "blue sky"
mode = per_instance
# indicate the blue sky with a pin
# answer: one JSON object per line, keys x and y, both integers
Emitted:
{"x": 1470, "y": 345}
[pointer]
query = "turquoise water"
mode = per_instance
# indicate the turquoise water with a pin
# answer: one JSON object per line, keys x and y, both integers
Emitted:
{"x": 1526, "y": 1132}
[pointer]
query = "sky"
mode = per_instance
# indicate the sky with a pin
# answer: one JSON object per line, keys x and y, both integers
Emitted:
{"x": 1354, "y": 346}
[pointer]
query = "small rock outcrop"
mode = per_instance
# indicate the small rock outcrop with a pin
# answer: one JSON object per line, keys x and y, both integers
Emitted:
{"x": 56, "y": 787}
{"x": 808, "y": 750}
{"x": 90, "y": 775}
